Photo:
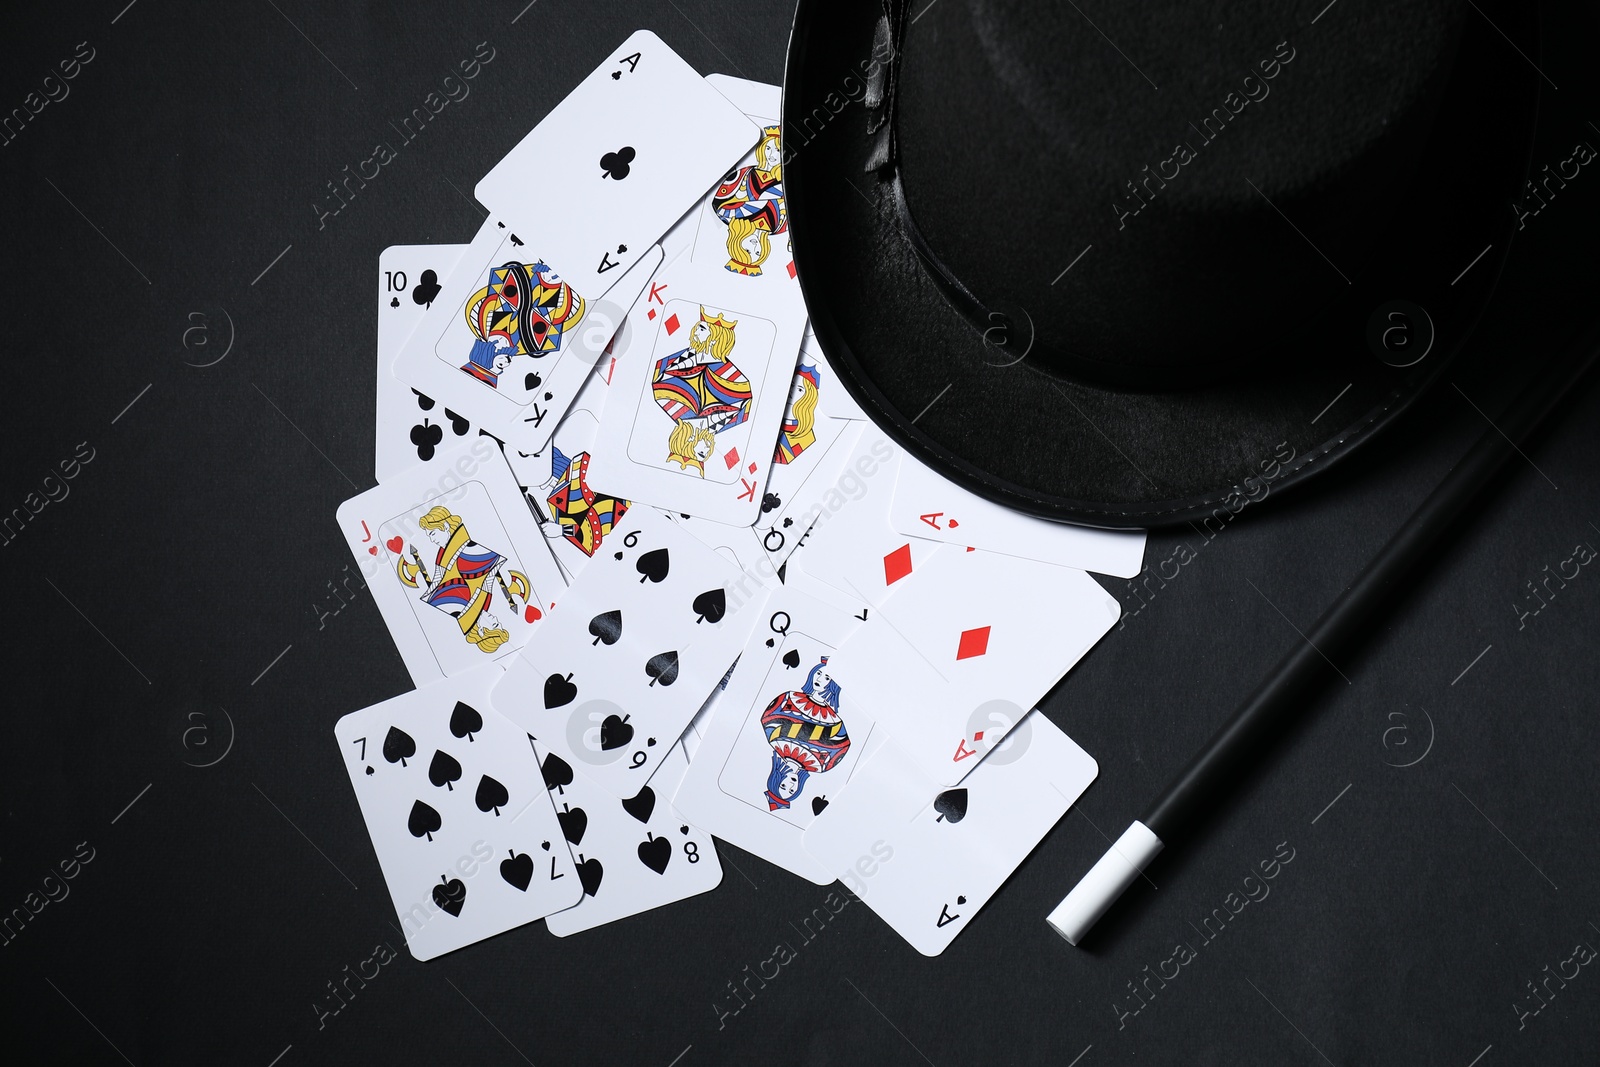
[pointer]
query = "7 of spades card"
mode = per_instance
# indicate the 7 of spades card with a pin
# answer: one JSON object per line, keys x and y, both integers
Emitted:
{"x": 698, "y": 397}
{"x": 454, "y": 560}
{"x": 465, "y": 833}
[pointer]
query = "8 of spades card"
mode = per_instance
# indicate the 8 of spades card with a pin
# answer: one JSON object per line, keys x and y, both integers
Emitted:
{"x": 413, "y": 428}
{"x": 464, "y": 830}
{"x": 454, "y": 560}
{"x": 643, "y": 635}
{"x": 633, "y": 853}
{"x": 605, "y": 174}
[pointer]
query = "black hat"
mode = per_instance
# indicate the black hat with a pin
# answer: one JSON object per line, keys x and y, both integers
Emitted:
{"x": 1132, "y": 268}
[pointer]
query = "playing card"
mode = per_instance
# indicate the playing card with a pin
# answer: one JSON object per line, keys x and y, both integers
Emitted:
{"x": 465, "y": 833}
{"x": 927, "y": 505}
{"x": 950, "y": 663}
{"x": 805, "y": 437}
{"x": 412, "y": 428}
{"x": 604, "y": 175}
{"x": 628, "y": 657}
{"x": 787, "y": 527}
{"x": 742, "y": 815}
{"x": 454, "y": 560}
{"x": 508, "y": 343}
{"x": 634, "y": 854}
{"x": 927, "y": 859}
{"x": 693, "y": 416}
{"x": 803, "y": 728}
{"x": 742, "y": 226}
{"x": 851, "y": 545}
{"x": 740, "y": 547}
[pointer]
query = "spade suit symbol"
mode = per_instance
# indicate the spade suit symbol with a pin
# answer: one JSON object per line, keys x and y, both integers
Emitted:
{"x": 423, "y": 821}
{"x": 711, "y": 606}
{"x": 819, "y": 805}
{"x": 398, "y": 746}
{"x": 574, "y": 821}
{"x": 951, "y": 805}
{"x": 451, "y": 895}
{"x": 559, "y": 692}
{"x": 518, "y": 870}
{"x": 589, "y": 873}
{"x": 641, "y": 804}
{"x": 615, "y": 732}
{"x": 557, "y": 772}
{"x": 654, "y": 565}
{"x": 491, "y": 795}
{"x": 444, "y": 769}
{"x": 531, "y": 381}
{"x": 662, "y": 667}
{"x": 606, "y": 626}
{"x": 791, "y": 659}
{"x": 655, "y": 853}
{"x": 465, "y": 721}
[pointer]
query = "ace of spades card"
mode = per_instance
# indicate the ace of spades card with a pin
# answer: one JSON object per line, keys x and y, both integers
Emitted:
{"x": 413, "y": 428}
{"x": 698, "y": 397}
{"x": 605, "y": 174}
{"x": 645, "y": 632}
{"x": 927, "y": 858}
{"x": 634, "y": 853}
{"x": 464, "y": 830}
{"x": 803, "y": 726}
{"x": 508, "y": 343}
{"x": 455, "y": 562}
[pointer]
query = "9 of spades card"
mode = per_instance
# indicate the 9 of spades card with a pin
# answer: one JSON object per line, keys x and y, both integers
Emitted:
{"x": 643, "y": 635}
{"x": 699, "y": 394}
{"x": 605, "y": 174}
{"x": 413, "y": 428}
{"x": 633, "y": 853}
{"x": 465, "y": 832}
{"x": 508, "y": 342}
{"x": 926, "y": 858}
{"x": 455, "y": 562}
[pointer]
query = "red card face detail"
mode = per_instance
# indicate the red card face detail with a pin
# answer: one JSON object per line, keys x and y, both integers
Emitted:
{"x": 897, "y": 564}
{"x": 973, "y": 642}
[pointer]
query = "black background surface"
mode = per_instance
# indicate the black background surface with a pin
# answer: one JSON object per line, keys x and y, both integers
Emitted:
{"x": 193, "y": 548}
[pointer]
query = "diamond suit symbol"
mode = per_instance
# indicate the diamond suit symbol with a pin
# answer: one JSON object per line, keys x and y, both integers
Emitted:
{"x": 672, "y": 324}
{"x": 973, "y": 643}
{"x": 897, "y": 564}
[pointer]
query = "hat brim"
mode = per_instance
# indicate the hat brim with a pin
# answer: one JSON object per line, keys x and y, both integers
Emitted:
{"x": 1048, "y": 444}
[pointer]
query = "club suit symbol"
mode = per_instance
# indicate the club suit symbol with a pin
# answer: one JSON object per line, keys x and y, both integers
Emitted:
{"x": 426, "y": 437}
{"x": 616, "y": 165}
{"x": 426, "y": 289}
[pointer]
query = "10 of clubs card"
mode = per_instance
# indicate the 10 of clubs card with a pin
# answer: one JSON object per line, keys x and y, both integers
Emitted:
{"x": 634, "y": 854}
{"x": 458, "y": 566}
{"x": 508, "y": 342}
{"x": 413, "y": 428}
{"x": 605, "y": 174}
{"x": 628, "y": 657}
{"x": 699, "y": 395}
{"x": 465, "y": 832}
{"x": 928, "y": 858}
{"x": 805, "y": 727}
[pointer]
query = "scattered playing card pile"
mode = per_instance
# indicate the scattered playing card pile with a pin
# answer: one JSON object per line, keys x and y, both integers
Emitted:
{"x": 657, "y": 578}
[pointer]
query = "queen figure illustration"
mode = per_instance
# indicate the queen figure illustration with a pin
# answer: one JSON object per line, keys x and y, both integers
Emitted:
{"x": 806, "y": 735}
{"x": 749, "y": 201}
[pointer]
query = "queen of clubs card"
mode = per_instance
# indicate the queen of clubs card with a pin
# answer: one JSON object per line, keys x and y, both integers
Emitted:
{"x": 702, "y": 391}
{"x": 521, "y": 311}
{"x": 806, "y": 735}
{"x": 463, "y": 578}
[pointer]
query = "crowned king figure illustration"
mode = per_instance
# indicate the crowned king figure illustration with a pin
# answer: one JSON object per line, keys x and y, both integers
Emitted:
{"x": 522, "y": 311}
{"x": 702, "y": 391}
